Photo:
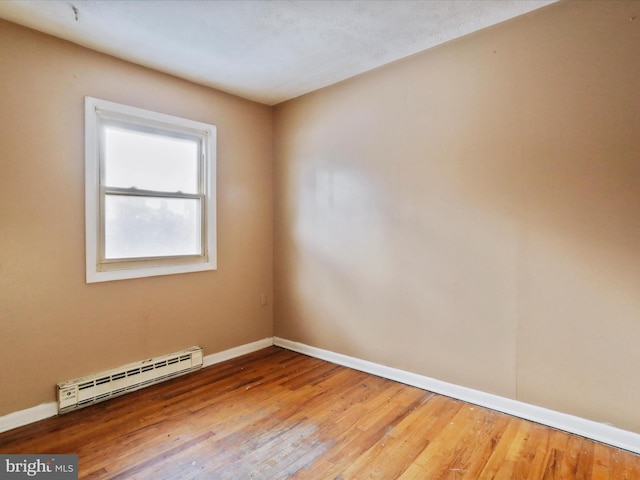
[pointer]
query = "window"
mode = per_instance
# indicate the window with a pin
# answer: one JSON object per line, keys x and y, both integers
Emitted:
{"x": 150, "y": 193}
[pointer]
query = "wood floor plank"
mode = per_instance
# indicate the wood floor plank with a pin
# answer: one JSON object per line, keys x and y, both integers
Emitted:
{"x": 276, "y": 414}
{"x": 601, "y": 461}
{"x": 443, "y": 456}
{"x": 478, "y": 445}
{"x": 534, "y": 458}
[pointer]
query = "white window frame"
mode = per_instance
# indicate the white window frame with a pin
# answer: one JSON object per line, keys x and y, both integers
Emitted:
{"x": 99, "y": 113}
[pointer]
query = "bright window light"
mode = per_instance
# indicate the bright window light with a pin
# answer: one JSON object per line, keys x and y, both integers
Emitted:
{"x": 150, "y": 193}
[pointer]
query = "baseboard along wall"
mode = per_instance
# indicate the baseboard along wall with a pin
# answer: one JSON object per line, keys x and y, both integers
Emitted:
{"x": 599, "y": 432}
{"x": 47, "y": 410}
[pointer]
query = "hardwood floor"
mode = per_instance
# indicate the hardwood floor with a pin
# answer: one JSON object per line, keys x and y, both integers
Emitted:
{"x": 276, "y": 414}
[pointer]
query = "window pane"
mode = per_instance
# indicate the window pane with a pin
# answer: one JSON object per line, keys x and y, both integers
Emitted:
{"x": 151, "y": 227}
{"x": 150, "y": 161}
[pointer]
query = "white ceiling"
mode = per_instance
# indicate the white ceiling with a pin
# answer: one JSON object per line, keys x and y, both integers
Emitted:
{"x": 264, "y": 50}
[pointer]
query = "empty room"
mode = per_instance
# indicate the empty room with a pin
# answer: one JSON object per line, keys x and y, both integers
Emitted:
{"x": 320, "y": 239}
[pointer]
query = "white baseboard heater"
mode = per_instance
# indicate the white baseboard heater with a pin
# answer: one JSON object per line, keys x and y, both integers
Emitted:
{"x": 91, "y": 389}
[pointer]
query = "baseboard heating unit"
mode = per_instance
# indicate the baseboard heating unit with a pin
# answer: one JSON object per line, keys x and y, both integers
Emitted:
{"x": 86, "y": 391}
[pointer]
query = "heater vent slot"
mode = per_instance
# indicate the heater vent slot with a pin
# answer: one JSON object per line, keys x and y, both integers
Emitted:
{"x": 88, "y": 390}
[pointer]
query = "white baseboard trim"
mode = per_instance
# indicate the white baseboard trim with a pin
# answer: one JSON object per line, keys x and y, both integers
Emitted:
{"x": 214, "y": 358}
{"x": 599, "y": 432}
{"x": 29, "y": 415}
{"x": 47, "y": 410}
{"x": 580, "y": 426}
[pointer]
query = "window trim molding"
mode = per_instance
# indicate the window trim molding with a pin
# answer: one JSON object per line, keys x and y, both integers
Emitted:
{"x": 95, "y": 110}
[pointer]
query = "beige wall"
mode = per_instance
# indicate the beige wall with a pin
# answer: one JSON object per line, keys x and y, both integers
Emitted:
{"x": 53, "y": 326}
{"x": 470, "y": 214}
{"x": 473, "y": 213}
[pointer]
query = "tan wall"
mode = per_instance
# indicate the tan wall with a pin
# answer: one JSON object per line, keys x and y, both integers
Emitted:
{"x": 53, "y": 326}
{"x": 470, "y": 214}
{"x": 473, "y": 213}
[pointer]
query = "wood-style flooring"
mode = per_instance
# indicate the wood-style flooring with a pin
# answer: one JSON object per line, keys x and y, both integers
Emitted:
{"x": 275, "y": 414}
